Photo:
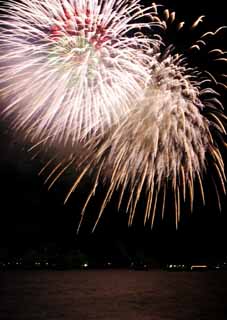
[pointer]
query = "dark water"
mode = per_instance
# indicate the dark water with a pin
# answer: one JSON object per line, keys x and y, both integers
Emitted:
{"x": 124, "y": 295}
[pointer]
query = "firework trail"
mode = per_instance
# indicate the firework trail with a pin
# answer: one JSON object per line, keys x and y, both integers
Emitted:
{"x": 71, "y": 68}
{"x": 162, "y": 145}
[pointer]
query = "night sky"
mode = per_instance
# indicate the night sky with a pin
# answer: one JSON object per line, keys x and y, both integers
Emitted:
{"x": 32, "y": 216}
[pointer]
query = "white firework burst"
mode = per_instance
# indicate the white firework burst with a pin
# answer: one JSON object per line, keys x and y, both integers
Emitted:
{"x": 72, "y": 68}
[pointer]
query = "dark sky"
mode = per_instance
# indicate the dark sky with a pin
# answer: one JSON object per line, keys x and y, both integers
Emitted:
{"x": 30, "y": 215}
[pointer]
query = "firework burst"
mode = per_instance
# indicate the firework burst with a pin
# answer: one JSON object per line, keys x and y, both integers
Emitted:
{"x": 150, "y": 122}
{"x": 72, "y": 68}
{"x": 163, "y": 145}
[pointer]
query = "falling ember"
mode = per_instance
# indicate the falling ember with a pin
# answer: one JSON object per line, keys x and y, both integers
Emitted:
{"x": 69, "y": 68}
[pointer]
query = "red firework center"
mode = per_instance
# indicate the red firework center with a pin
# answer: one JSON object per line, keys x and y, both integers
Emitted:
{"x": 80, "y": 23}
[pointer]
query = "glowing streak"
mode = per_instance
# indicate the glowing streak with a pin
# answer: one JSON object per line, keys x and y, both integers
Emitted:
{"x": 74, "y": 186}
{"x": 60, "y": 174}
{"x": 53, "y": 172}
{"x": 211, "y": 33}
{"x": 180, "y": 25}
{"x": 154, "y": 208}
{"x": 198, "y": 20}
{"x": 163, "y": 201}
{"x": 46, "y": 165}
{"x": 201, "y": 188}
{"x": 92, "y": 193}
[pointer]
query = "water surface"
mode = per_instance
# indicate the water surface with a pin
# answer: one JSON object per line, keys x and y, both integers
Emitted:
{"x": 113, "y": 295}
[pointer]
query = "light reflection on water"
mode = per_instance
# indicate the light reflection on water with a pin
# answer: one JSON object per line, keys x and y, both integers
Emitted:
{"x": 117, "y": 294}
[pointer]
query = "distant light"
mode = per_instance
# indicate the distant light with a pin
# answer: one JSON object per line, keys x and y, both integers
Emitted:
{"x": 199, "y": 267}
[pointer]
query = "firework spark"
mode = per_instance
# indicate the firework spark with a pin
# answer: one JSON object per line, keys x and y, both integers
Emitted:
{"x": 72, "y": 68}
